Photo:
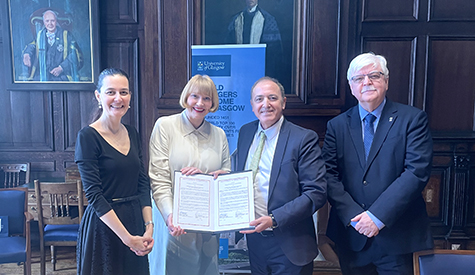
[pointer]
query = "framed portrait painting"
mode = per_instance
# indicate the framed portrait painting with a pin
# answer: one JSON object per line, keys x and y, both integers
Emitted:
{"x": 51, "y": 44}
{"x": 279, "y": 24}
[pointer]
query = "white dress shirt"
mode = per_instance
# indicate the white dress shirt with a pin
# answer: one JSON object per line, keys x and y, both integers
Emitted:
{"x": 261, "y": 182}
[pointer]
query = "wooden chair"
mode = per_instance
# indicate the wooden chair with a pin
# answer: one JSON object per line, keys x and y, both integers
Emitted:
{"x": 14, "y": 175}
{"x": 444, "y": 262}
{"x": 15, "y": 245}
{"x": 60, "y": 210}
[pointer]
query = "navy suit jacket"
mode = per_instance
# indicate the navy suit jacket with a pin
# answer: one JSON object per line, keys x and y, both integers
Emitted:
{"x": 297, "y": 187}
{"x": 388, "y": 184}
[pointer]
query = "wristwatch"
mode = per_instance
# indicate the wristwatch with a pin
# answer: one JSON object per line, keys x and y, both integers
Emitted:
{"x": 274, "y": 222}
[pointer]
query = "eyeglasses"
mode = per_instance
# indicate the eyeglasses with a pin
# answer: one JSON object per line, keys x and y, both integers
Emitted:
{"x": 373, "y": 76}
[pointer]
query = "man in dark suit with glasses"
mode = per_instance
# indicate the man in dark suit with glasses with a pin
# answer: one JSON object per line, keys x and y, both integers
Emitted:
{"x": 378, "y": 158}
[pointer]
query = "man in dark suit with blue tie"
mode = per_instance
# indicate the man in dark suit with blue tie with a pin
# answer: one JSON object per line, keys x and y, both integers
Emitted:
{"x": 378, "y": 157}
{"x": 289, "y": 184}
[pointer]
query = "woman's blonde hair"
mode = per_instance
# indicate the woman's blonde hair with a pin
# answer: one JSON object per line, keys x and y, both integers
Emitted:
{"x": 201, "y": 84}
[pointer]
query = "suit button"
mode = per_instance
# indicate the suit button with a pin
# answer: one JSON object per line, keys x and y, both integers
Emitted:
{"x": 363, "y": 205}
{"x": 365, "y": 182}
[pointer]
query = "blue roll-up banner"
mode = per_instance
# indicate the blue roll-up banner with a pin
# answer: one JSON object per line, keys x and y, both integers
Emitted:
{"x": 234, "y": 69}
{"x": 223, "y": 252}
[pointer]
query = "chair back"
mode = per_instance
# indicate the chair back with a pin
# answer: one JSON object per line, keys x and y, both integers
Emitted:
{"x": 13, "y": 204}
{"x": 14, "y": 175}
{"x": 444, "y": 262}
{"x": 15, "y": 247}
{"x": 60, "y": 210}
{"x": 59, "y": 202}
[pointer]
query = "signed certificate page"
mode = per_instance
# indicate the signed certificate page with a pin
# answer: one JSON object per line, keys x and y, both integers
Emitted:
{"x": 201, "y": 203}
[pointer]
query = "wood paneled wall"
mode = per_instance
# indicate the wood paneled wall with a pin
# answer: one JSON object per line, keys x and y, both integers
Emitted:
{"x": 430, "y": 49}
{"x": 41, "y": 126}
{"x": 151, "y": 41}
{"x": 429, "y": 45}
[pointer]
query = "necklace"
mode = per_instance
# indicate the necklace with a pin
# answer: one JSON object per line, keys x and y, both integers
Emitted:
{"x": 119, "y": 139}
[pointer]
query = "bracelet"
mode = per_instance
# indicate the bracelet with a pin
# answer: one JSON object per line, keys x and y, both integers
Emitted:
{"x": 149, "y": 222}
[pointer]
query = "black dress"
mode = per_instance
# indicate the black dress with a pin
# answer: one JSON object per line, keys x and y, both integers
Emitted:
{"x": 115, "y": 181}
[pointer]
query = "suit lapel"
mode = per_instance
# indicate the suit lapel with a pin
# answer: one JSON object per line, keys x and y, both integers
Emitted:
{"x": 354, "y": 127}
{"x": 280, "y": 148}
{"x": 247, "y": 138}
{"x": 388, "y": 117}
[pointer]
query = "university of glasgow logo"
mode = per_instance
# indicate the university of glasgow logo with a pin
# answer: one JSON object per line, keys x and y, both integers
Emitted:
{"x": 212, "y": 65}
{"x": 200, "y": 66}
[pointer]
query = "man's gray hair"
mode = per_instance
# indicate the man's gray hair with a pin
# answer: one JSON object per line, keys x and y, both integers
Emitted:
{"x": 366, "y": 59}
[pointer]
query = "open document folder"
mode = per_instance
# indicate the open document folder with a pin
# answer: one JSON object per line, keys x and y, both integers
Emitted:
{"x": 201, "y": 203}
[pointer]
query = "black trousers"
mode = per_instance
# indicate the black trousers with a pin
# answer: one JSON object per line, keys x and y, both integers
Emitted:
{"x": 266, "y": 257}
{"x": 372, "y": 260}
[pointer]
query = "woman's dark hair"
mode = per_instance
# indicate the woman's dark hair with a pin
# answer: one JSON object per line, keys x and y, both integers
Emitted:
{"x": 106, "y": 72}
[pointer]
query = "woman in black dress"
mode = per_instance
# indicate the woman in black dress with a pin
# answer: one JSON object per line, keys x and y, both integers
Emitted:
{"x": 116, "y": 230}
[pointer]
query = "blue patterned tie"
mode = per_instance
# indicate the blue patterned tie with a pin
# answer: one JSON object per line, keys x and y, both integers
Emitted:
{"x": 368, "y": 133}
